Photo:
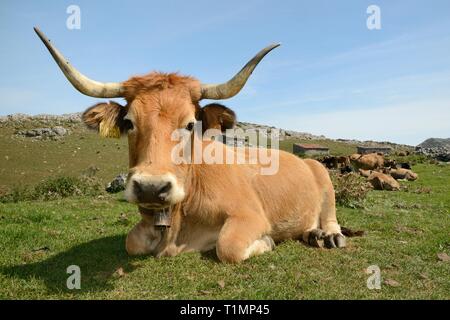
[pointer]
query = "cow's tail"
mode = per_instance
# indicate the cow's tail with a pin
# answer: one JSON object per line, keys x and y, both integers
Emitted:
{"x": 352, "y": 233}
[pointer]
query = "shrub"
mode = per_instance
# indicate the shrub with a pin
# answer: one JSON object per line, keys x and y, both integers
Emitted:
{"x": 62, "y": 187}
{"x": 350, "y": 189}
{"x": 15, "y": 194}
{"x": 55, "y": 188}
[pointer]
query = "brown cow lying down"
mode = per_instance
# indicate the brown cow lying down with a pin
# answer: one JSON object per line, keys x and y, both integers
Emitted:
{"x": 230, "y": 207}
{"x": 365, "y": 173}
{"x": 369, "y": 161}
{"x": 381, "y": 181}
{"x": 400, "y": 173}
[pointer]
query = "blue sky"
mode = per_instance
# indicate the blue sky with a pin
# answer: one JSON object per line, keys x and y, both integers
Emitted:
{"x": 331, "y": 75}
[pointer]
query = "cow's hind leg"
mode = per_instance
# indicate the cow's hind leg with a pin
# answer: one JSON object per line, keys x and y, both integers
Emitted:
{"x": 333, "y": 237}
{"x": 242, "y": 238}
{"x": 323, "y": 224}
{"x": 326, "y": 231}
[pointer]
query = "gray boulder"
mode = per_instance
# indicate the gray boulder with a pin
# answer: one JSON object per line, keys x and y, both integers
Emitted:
{"x": 44, "y": 133}
{"x": 59, "y": 131}
{"x": 117, "y": 184}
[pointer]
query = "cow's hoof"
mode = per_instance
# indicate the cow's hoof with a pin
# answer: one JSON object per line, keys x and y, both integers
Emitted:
{"x": 269, "y": 241}
{"x": 335, "y": 240}
{"x": 315, "y": 238}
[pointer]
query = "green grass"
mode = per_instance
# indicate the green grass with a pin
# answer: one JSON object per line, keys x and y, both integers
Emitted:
{"x": 40, "y": 239}
{"x": 27, "y": 161}
{"x": 405, "y": 231}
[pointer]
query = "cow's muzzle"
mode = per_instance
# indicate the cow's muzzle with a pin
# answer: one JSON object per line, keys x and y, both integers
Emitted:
{"x": 154, "y": 191}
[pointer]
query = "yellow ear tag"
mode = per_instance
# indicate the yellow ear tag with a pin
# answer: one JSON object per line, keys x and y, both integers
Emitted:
{"x": 108, "y": 130}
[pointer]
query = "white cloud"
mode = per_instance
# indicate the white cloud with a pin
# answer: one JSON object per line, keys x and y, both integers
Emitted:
{"x": 405, "y": 123}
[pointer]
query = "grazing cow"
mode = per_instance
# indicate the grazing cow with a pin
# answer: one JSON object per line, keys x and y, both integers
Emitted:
{"x": 401, "y": 173}
{"x": 370, "y": 161}
{"x": 382, "y": 181}
{"x": 230, "y": 207}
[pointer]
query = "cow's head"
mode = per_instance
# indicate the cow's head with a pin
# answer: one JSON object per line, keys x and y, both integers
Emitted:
{"x": 157, "y": 104}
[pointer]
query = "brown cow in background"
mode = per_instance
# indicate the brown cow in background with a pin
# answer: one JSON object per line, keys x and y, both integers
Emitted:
{"x": 370, "y": 161}
{"x": 401, "y": 173}
{"x": 381, "y": 181}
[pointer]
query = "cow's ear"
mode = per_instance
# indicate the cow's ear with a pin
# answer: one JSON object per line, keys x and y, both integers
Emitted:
{"x": 107, "y": 118}
{"x": 217, "y": 116}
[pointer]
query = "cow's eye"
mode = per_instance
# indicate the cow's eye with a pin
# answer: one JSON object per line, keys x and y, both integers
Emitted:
{"x": 190, "y": 126}
{"x": 127, "y": 125}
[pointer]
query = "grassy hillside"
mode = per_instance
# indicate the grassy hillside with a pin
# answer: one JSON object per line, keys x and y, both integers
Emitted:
{"x": 28, "y": 161}
{"x": 405, "y": 232}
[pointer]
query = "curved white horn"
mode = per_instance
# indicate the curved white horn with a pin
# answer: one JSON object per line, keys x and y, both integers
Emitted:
{"x": 82, "y": 83}
{"x": 232, "y": 87}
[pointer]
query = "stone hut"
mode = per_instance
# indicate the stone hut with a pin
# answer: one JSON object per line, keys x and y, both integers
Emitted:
{"x": 310, "y": 149}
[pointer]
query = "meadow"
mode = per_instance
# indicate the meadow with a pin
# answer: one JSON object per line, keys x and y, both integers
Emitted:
{"x": 407, "y": 234}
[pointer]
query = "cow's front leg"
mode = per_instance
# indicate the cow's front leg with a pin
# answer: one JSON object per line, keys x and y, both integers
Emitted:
{"x": 142, "y": 239}
{"x": 243, "y": 237}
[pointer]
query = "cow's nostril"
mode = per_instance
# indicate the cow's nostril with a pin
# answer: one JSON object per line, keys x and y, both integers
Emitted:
{"x": 152, "y": 192}
{"x": 165, "y": 188}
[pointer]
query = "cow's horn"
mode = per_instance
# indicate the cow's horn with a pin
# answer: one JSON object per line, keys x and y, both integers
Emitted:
{"x": 82, "y": 83}
{"x": 232, "y": 87}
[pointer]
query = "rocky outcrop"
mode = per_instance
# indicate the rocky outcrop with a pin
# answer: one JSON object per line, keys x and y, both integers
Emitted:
{"x": 435, "y": 143}
{"x": 371, "y": 143}
{"x": 44, "y": 133}
{"x": 435, "y": 148}
{"x": 438, "y": 153}
{"x": 19, "y": 118}
{"x": 283, "y": 134}
{"x": 75, "y": 118}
